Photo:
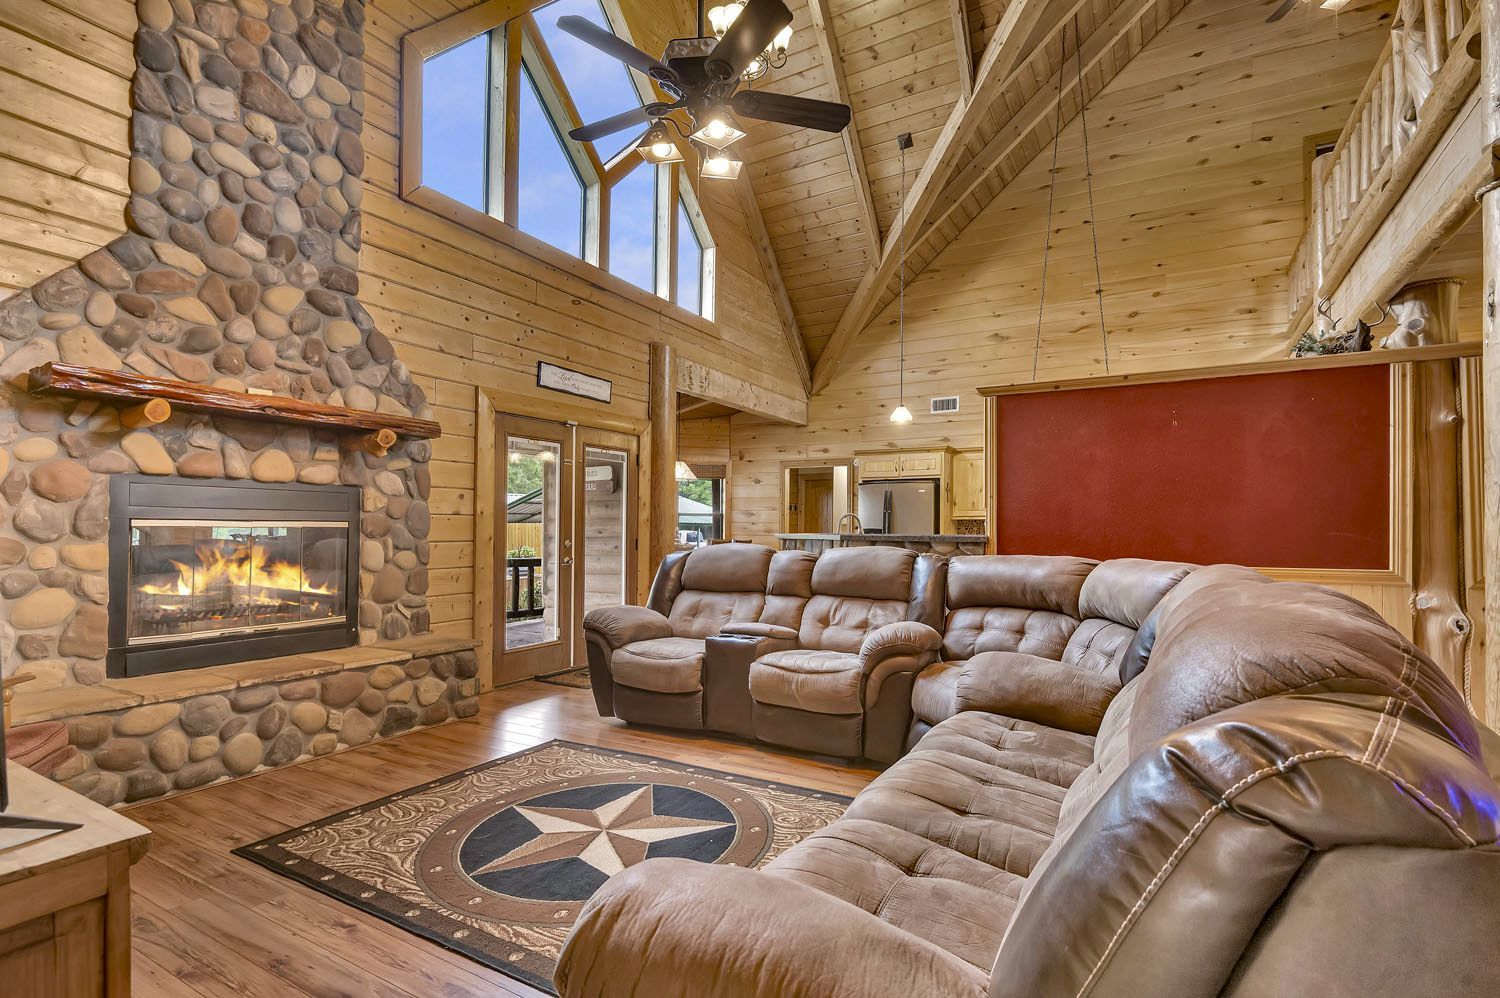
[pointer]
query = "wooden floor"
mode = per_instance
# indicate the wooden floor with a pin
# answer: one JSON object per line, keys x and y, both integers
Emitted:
{"x": 207, "y": 923}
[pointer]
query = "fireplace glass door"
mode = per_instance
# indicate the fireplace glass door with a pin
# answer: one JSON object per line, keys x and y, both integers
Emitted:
{"x": 211, "y": 577}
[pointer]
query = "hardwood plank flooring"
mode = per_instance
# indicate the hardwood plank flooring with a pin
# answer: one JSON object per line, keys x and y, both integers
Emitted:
{"x": 208, "y": 924}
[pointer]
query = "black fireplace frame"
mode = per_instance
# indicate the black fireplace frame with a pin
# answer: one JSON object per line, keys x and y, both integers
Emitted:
{"x": 165, "y": 498}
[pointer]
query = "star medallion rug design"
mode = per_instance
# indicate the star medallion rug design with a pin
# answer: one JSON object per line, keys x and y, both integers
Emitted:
{"x": 495, "y": 862}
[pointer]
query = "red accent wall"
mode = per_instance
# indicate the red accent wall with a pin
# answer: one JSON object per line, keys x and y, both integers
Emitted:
{"x": 1284, "y": 470}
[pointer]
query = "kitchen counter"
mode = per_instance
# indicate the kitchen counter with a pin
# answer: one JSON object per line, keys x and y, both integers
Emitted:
{"x": 936, "y": 543}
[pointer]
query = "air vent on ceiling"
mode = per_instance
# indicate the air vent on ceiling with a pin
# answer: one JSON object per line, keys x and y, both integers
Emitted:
{"x": 945, "y": 403}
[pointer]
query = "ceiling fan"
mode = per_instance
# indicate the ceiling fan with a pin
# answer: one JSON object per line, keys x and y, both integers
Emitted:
{"x": 702, "y": 76}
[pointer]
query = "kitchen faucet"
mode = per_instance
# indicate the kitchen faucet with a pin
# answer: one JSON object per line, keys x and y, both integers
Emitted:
{"x": 858, "y": 527}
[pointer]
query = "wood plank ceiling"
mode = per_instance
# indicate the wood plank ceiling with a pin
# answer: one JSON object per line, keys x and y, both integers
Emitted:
{"x": 831, "y": 202}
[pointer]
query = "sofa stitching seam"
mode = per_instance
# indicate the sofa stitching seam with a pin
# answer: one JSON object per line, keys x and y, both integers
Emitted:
{"x": 1171, "y": 861}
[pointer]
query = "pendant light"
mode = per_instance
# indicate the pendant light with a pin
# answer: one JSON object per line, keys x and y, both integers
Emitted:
{"x": 901, "y": 414}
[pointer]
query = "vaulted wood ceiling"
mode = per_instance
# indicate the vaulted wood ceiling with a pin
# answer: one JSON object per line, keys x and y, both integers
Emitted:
{"x": 976, "y": 84}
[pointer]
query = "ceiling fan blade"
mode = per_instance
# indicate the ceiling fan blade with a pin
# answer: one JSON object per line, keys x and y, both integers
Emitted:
{"x": 610, "y": 125}
{"x": 613, "y": 45}
{"x": 1280, "y": 12}
{"x": 801, "y": 111}
{"x": 754, "y": 29}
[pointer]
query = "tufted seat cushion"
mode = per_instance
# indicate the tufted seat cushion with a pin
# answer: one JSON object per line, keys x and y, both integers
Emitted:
{"x": 823, "y": 682}
{"x": 661, "y": 665}
{"x": 940, "y": 844}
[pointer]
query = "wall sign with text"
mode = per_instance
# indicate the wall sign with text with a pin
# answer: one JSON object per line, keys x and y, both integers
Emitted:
{"x": 560, "y": 379}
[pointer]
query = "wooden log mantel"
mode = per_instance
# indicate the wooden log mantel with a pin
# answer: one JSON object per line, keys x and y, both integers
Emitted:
{"x": 133, "y": 390}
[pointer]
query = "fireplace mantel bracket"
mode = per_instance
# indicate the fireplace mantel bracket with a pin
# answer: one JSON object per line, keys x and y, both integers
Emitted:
{"x": 144, "y": 397}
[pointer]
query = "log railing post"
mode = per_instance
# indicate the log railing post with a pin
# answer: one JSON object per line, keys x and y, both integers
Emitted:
{"x": 663, "y": 413}
{"x": 1489, "y": 104}
{"x": 1428, "y": 313}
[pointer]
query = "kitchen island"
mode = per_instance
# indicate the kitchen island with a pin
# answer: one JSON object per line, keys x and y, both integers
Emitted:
{"x": 947, "y": 544}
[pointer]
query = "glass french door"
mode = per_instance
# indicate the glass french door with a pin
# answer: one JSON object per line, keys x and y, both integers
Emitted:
{"x": 534, "y": 544}
{"x": 564, "y": 540}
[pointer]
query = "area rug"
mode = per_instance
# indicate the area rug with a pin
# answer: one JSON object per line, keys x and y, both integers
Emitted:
{"x": 578, "y": 679}
{"x": 496, "y": 861}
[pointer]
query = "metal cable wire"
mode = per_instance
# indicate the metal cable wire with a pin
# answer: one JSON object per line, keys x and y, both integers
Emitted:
{"x": 1041, "y": 304}
{"x": 1088, "y": 174}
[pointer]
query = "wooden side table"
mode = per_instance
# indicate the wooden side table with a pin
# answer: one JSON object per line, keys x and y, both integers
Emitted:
{"x": 65, "y": 896}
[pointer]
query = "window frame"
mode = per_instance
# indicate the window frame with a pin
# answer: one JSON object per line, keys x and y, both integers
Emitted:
{"x": 516, "y": 49}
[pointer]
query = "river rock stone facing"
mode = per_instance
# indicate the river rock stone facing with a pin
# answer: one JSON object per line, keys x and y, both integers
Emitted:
{"x": 153, "y": 749}
{"x": 236, "y": 271}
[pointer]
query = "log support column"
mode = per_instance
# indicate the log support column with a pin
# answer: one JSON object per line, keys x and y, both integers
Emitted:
{"x": 1489, "y": 109}
{"x": 1428, "y": 313}
{"x": 663, "y": 465}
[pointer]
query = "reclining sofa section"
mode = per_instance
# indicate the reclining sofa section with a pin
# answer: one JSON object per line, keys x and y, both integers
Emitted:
{"x": 1285, "y": 796}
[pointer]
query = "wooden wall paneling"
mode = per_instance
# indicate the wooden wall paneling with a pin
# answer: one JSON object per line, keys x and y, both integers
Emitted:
{"x": 66, "y": 145}
{"x": 1490, "y": 208}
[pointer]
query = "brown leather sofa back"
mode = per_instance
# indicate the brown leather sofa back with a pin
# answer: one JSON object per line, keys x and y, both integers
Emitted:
{"x": 1205, "y": 832}
{"x": 701, "y": 590}
{"x": 1018, "y": 603}
{"x": 854, "y": 591}
{"x": 1276, "y": 725}
{"x": 788, "y": 588}
{"x": 1115, "y": 599}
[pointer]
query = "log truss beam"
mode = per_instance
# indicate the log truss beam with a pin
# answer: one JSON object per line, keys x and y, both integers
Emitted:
{"x": 952, "y": 172}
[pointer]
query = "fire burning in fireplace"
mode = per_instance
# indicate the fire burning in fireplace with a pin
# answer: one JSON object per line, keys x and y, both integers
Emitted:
{"x": 245, "y": 566}
{"x": 194, "y": 578}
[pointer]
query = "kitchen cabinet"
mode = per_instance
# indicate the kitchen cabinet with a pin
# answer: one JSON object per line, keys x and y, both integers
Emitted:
{"x": 969, "y": 492}
{"x": 901, "y": 464}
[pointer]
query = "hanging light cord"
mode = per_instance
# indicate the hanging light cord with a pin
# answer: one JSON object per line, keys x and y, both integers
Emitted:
{"x": 1088, "y": 174}
{"x": 901, "y": 306}
{"x": 1041, "y": 304}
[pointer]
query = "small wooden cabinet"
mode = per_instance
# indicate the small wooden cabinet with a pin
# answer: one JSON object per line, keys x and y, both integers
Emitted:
{"x": 969, "y": 485}
{"x": 900, "y": 464}
{"x": 65, "y": 896}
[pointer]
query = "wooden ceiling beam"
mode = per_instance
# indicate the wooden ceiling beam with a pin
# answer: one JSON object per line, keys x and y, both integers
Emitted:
{"x": 828, "y": 48}
{"x": 963, "y": 47}
{"x": 1003, "y": 54}
{"x": 756, "y": 229}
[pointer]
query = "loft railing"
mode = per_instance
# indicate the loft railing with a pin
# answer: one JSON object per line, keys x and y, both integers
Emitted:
{"x": 1419, "y": 82}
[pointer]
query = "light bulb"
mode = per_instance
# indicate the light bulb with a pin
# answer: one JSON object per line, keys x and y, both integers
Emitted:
{"x": 661, "y": 150}
{"x": 783, "y": 40}
{"x": 901, "y": 414}
{"x": 716, "y": 128}
{"x": 716, "y": 164}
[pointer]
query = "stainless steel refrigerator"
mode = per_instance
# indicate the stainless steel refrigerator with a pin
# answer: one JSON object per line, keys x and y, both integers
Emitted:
{"x": 909, "y": 506}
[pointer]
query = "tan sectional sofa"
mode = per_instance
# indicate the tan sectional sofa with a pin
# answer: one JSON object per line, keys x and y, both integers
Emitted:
{"x": 1284, "y": 796}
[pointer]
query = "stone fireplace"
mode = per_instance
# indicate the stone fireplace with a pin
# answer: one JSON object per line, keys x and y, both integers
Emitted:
{"x": 204, "y": 573}
{"x": 206, "y": 594}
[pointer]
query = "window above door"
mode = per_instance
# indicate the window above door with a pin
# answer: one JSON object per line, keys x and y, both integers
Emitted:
{"x": 488, "y": 98}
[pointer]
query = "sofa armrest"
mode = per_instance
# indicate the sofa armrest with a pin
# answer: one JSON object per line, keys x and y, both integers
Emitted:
{"x": 904, "y": 646}
{"x": 1030, "y": 688}
{"x": 620, "y": 625}
{"x": 673, "y": 928}
{"x": 755, "y": 629}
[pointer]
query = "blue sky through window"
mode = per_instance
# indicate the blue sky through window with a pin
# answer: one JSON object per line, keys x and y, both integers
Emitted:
{"x": 453, "y": 121}
{"x": 599, "y": 85}
{"x": 632, "y": 228}
{"x": 551, "y": 195}
{"x": 689, "y": 263}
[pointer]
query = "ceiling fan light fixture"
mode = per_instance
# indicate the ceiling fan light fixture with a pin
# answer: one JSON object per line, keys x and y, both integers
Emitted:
{"x": 720, "y": 18}
{"x": 722, "y": 166}
{"x": 718, "y": 132}
{"x": 783, "y": 41}
{"x": 656, "y": 146}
